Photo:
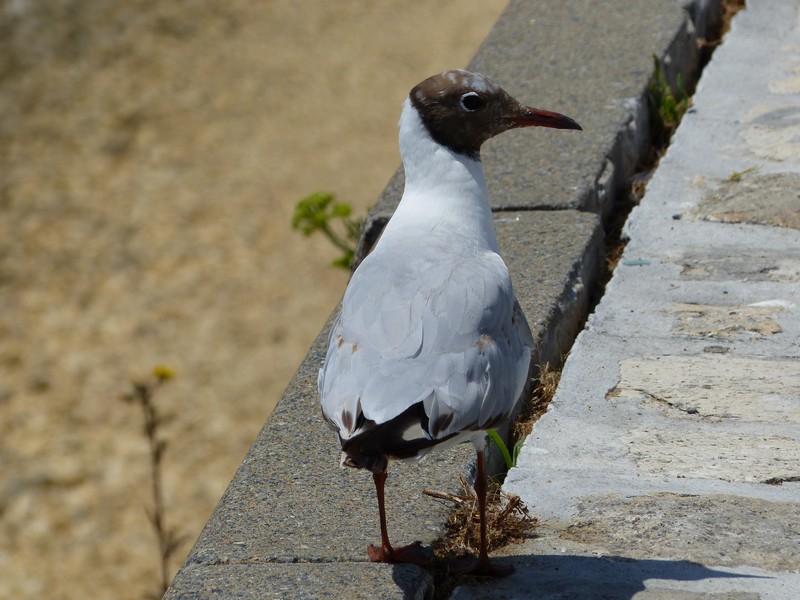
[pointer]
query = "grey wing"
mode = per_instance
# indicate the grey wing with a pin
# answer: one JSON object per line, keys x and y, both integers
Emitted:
{"x": 449, "y": 336}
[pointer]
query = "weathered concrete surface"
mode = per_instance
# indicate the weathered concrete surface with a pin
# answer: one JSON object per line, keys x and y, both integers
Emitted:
{"x": 761, "y": 199}
{"x": 688, "y": 527}
{"x": 668, "y": 464}
{"x": 554, "y": 258}
{"x": 279, "y": 581}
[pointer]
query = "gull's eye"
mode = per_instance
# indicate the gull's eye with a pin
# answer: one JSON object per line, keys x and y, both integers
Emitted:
{"x": 471, "y": 102}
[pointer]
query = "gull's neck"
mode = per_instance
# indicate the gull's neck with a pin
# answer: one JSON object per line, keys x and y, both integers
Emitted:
{"x": 443, "y": 189}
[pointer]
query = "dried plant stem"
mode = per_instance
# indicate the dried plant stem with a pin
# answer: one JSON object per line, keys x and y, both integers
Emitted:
{"x": 168, "y": 540}
{"x": 157, "y": 516}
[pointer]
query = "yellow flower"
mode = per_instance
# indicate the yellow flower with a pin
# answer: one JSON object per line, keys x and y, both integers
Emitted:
{"x": 163, "y": 372}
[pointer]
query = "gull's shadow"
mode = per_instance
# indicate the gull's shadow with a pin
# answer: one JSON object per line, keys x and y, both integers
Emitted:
{"x": 562, "y": 576}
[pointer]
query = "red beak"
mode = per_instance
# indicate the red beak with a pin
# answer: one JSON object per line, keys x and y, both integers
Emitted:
{"x": 535, "y": 117}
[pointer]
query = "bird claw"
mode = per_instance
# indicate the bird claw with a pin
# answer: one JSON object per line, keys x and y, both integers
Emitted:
{"x": 413, "y": 553}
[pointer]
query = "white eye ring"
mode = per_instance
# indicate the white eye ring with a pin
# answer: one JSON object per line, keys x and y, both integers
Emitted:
{"x": 471, "y": 101}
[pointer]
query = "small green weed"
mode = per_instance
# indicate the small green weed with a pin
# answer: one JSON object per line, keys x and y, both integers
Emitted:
{"x": 501, "y": 445}
{"x": 318, "y": 212}
{"x": 666, "y": 109}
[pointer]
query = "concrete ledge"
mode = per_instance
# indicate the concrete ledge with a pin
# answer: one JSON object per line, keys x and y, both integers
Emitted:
{"x": 292, "y": 523}
{"x": 279, "y": 581}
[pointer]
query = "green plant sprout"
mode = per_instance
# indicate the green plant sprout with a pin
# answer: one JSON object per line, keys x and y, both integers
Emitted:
{"x": 510, "y": 460}
{"x": 515, "y": 452}
{"x": 666, "y": 110}
{"x": 319, "y": 212}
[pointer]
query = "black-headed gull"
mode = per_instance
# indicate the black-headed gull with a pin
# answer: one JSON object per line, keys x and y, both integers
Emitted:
{"x": 431, "y": 347}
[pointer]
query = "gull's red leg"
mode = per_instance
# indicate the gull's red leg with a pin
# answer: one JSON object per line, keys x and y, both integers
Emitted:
{"x": 413, "y": 553}
{"x": 482, "y": 565}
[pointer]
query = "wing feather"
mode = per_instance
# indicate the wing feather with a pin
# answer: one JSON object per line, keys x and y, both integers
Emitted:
{"x": 449, "y": 334}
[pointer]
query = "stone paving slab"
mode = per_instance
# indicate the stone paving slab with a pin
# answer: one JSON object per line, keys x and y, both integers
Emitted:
{"x": 551, "y": 568}
{"x": 672, "y": 445}
{"x": 740, "y": 300}
{"x": 592, "y": 439}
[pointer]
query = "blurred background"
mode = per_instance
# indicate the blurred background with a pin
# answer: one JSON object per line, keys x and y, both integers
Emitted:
{"x": 151, "y": 154}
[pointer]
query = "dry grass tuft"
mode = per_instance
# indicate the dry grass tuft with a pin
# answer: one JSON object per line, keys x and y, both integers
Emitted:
{"x": 730, "y": 8}
{"x": 540, "y": 399}
{"x": 507, "y": 518}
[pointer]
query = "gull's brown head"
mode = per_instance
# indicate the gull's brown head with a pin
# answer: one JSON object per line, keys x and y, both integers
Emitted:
{"x": 461, "y": 110}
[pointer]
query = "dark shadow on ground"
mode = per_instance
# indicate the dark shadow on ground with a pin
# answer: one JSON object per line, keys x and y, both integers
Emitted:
{"x": 584, "y": 577}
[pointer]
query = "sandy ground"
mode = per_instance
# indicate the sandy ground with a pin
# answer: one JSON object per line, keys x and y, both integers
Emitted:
{"x": 151, "y": 154}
